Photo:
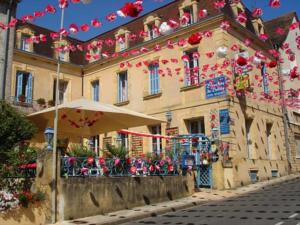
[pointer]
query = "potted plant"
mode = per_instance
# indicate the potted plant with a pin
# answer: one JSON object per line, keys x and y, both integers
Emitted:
{"x": 41, "y": 102}
{"x": 51, "y": 103}
{"x": 22, "y": 98}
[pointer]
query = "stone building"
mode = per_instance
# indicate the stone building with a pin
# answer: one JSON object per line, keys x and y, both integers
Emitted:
{"x": 288, "y": 48}
{"x": 7, "y": 12}
{"x": 148, "y": 75}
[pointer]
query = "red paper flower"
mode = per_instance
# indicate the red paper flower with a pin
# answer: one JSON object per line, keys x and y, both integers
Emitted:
{"x": 63, "y": 3}
{"x": 257, "y": 12}
{"x": 84, "y": 27}
{"x": 73, "y": 28}
{"x": 272, "y": 64}
{"x": 274, "y": 3}
{"x": 131, "y": 9}
{"x": 133, "y": 169}
{"x": 96, "y": 23}
{"x": 195, "y": 39}
{"x": 50, "y": 9}
{"x": 241, "y": 61}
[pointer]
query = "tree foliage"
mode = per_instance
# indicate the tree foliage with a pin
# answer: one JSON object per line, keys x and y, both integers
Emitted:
{"x": 14, "y": 128}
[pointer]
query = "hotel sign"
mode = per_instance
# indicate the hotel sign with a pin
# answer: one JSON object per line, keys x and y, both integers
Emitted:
{"x": 215, "y": 87}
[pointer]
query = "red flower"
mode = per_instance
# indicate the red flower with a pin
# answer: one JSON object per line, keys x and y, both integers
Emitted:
{"x": 90, "y": 160}
{"x": 274, "y": 3}
{"x": 241, "y": 61}
{"x": 130, "y": 9}
{"x": 50, "y": 9}
{"x": 195, "y": 39}
{"x": 272, "y": 64}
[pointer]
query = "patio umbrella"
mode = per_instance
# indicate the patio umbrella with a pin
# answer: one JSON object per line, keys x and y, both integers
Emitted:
{"x": 85, "y": 118}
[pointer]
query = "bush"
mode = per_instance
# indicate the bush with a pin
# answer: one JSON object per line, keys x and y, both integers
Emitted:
{"x": 41, "y": 101}
{"x": 118, "y": 152}
{"x": 76, "y": 150}
{"x": 14, "y": 128}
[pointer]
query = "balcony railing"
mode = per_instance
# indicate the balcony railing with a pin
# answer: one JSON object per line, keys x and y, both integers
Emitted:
{"x": 112, "y": 167}
{"x": 25, "y": 105}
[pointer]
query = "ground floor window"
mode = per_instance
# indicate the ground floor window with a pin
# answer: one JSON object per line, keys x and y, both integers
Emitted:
{"x": 156, "y": 143}
{"x": 122, "y": 140}
{"x": 196, "y": 126}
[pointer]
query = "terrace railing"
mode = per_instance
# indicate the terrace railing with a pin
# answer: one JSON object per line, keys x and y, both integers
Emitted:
{"x": 115, "y": 167}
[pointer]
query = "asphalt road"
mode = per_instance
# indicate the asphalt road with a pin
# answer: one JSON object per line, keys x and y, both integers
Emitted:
{"x": 273, "y": 205}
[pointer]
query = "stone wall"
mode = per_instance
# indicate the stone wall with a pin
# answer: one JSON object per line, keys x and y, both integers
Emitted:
{"x": 82, "y": 197}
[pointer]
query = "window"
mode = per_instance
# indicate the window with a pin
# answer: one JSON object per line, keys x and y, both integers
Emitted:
{"x": 269, "y": 139}
{"x": 122, "y": 140}
{"x": 95, "y": 90}
{"x": 154, "y": 79}
{"x": 297, "y": 140}
{"x": 122, "y": 87}
{"x": 196, "y": 126}
{"x": 189, "y": 11}
{"x": 152, "y": 31}
{"x": 25, "y": 46}
{"x": 122, "y": 45}
{"x": 191, "y": 68}
{"x": 94, "y": 144}
{"x": 156, "y": 142}
{"x": 63, "y": 85}
{"x": 62, "y": 55}
{"x": 24, "y": 84}
{"x": 248, "y": 125}
{"x": 265, "y": 79}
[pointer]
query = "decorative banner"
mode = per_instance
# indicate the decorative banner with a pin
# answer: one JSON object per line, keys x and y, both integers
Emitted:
{"x": 215, "y": 87}
{"x": 214, "y": 124}
{"x": 242, "y": 80}
{"x": 224, "y": 121}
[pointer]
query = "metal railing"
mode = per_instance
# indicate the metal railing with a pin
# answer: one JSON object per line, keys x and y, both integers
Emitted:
{"x": 27, "y": 106}
{"x": 115, "y": 167}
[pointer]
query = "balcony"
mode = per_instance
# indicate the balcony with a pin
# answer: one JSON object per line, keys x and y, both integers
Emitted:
{"x": 25, "y": 105}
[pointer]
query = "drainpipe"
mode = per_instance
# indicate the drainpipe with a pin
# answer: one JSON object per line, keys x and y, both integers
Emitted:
{"x": 6, "y": 44}
{"x": 82, "y": 81}
{"x": 285, "y": 114}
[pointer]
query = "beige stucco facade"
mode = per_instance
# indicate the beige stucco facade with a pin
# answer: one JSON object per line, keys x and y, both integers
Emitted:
{"x": 267, "y": 156}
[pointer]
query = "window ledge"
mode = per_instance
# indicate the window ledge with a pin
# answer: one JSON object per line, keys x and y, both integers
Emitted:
{"x": 191, "y": 87}
{"x": 298, "y": 157}
{"x": 151, "y": 96}
{"x": 122, "y": 103}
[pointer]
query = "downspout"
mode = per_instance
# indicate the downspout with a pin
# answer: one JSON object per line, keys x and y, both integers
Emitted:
{"x": 82, "y": 82}
{"x": 6, "y": 44}
{"x": 285, "y": 113}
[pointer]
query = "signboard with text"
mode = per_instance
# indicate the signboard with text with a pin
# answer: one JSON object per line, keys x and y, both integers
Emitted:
{"x": 215, "y": 87}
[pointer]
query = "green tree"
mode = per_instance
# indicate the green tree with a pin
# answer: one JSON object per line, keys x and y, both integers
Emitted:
{"x": 14, "y": 128}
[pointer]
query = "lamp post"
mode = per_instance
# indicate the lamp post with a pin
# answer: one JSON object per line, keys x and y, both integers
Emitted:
{"x": 54, "y": 156}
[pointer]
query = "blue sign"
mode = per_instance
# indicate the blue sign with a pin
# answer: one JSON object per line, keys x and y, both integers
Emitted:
{"x": 224, "y": 121}
{"x": 215, "y": 87}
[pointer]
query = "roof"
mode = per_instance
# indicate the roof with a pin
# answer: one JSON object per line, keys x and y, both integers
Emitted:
{"x": 283, "y": 22}
{"x": 165, "y": 13}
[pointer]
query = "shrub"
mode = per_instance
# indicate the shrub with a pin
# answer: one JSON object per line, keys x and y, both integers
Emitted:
{"x": 14, "y": 128}
{"x": 41, "y": 101}
{"x": 51, "y": 103}
{"x": 119, "y": 152}
{"x": 76, "y": 150}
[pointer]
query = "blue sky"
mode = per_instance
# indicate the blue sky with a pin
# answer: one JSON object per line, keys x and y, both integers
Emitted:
{"x": 79, "y": 13}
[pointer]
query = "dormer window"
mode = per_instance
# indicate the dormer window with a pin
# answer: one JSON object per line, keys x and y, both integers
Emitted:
{"x": 152, "y": 31}
{"x": 23, "y": 39}
{"x": 151, "y": 27}
{"x": 61, "y": 52}
{"x": 189, "y": 9}
{"x": 122, "y": 41}
{"x": 25, "y": 43}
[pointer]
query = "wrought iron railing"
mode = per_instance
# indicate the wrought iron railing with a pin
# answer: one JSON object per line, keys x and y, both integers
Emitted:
{"x": 27, "y": 106}
{"x": 112, "y": 167}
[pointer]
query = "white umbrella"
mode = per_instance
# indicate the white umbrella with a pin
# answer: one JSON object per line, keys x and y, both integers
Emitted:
{"x": 85, "y": 118}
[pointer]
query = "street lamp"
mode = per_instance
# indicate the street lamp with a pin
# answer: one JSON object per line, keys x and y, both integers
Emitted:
{"x": 49, "y": 133}
{"x": 54, "y": 156}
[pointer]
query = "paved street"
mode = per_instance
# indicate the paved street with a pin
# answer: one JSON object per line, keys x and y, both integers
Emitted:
{"x": 278, "y": 204}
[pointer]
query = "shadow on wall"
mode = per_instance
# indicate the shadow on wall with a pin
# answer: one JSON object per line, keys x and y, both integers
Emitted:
{"x": 34, "y": 215}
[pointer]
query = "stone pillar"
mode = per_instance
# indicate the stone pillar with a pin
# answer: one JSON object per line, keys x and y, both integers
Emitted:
{"x": 44, "y": 180}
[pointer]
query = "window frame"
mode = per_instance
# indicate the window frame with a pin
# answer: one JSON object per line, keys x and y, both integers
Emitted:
{"x": 122, "y": 89}
{"x": 154, "y": 79}
{"x": 189, "y": 75}
{"x": 95, "y": 90}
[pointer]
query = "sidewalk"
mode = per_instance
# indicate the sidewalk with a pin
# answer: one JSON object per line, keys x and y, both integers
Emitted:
{"x": 198, "y": 198}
